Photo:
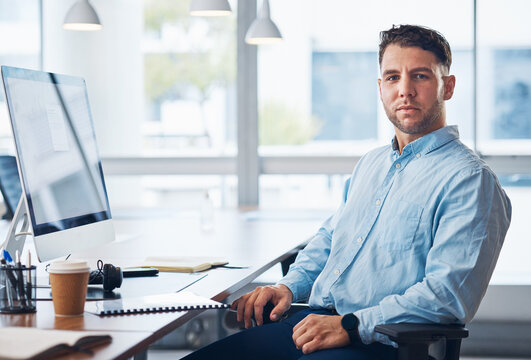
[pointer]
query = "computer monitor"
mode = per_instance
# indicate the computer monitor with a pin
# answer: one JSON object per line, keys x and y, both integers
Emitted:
{"x": 63, "y": 187}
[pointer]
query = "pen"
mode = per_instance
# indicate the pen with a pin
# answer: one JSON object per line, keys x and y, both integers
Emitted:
{"x": 17, "y": 260}
{"x": 29, "y": 292}
{"x": 9, "y": 293}
{"x": 20, "y": 280}
{"x": 28, "y": 265}
{"x": 9, "y": 274}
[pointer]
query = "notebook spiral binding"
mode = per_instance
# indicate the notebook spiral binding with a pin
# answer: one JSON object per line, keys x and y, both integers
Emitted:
{"x": 162, "y": 309}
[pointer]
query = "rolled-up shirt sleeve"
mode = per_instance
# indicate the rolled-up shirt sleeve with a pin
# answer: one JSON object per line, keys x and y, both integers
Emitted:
{"x": 469, "y": 228}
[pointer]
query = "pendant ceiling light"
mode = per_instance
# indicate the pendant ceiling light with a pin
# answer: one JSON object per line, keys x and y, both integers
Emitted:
{"x": 210, "y": 8}
{"x": 263, "y": 30}
{"x": 82, "y": 17}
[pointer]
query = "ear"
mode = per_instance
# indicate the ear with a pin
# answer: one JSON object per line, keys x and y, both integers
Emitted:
{"x": 449, "y": 86}
{"x": 380, "y": 87}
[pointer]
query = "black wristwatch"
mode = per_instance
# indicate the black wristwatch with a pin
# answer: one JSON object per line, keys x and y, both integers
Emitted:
{"x": 350, "y": 323}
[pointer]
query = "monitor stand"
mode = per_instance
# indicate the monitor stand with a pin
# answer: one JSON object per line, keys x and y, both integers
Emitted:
{"x": 15, "y": 239}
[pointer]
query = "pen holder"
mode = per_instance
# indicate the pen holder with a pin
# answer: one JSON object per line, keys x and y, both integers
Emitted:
{"x": 17, "y": 289}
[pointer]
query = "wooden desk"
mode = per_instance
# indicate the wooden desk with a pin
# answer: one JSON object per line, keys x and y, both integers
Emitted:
{"x": 257, "y": 244}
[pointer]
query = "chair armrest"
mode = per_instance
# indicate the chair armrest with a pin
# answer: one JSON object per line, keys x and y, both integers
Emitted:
{"x": 409, "y": 332}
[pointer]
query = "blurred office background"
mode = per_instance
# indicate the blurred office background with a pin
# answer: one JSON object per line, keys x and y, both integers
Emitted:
{"x": 182, "y": 106}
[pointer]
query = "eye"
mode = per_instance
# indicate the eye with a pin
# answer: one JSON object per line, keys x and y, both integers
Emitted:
{"x": 392, "y": 78}
{"x": 420, "y": 76}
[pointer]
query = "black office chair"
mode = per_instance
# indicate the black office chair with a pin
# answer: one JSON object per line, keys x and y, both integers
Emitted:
{"x": 415, "y": 341}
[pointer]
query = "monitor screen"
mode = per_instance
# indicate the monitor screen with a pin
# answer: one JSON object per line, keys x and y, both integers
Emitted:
{"x": 56, "y": 148}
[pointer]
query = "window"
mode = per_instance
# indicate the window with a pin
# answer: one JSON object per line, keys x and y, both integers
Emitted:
{"x": 189, "y": 93}
{"x": 504, "y": 120}
{"x": 504, "y": 94}
{"x": 339, "y": 98}
{"x": 189, "y": 81}
{"x": 162, "y": 93}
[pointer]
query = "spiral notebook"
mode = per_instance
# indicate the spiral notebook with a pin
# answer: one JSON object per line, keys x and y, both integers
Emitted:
{"x": 180, "y": 301}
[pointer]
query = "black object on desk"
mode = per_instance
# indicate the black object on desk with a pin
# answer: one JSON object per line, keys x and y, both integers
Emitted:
{"x": 139, "y": 272}
{"x": 107, "y": 274}
{"x": 98, "y": 276}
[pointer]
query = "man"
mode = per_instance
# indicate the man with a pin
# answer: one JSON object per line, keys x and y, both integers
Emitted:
{"x": 415, "y": 239}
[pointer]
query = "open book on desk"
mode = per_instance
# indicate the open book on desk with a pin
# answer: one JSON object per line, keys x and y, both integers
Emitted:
{"x": 34, "y": 344}
{"x": 183, "y": 300}
{"x": 187, "y": 264}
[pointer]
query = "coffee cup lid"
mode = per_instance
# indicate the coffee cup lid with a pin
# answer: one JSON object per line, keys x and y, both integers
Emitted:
{"x": 68, "y": 267}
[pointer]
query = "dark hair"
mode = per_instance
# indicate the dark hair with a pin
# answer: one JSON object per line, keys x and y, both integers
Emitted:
{"x": 419, "y": 36}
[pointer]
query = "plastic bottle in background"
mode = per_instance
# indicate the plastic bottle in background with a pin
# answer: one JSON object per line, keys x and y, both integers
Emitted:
{"x": 207, "y": 213}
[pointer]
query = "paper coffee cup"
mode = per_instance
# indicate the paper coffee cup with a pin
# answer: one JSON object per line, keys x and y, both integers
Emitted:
{"x": 69, "y": 282}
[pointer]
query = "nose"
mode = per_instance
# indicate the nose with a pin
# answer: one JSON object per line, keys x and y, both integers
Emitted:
{"x": 406, "y": 88}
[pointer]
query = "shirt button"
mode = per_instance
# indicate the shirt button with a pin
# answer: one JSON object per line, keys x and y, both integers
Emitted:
{"x": 336, "y": 271}
{"x": 378, "y": 202}
{"x": 397, "y": 166}
{"x": 330, "y": 307}
{"x": 359, "y": 239}
{"x": 418, "y": 155}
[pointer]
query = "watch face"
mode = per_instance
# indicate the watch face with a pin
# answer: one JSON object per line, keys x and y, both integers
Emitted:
{"x": 349, "y": 322}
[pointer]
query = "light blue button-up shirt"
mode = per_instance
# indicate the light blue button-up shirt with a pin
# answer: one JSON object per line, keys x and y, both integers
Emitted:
{"x": 415, "y": 239}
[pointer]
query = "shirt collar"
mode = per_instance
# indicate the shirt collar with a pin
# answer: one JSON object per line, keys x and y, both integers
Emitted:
{"x": 429, "y": 142}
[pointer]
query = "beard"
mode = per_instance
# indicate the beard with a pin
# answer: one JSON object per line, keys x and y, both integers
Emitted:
{"x": 421, "y": 127}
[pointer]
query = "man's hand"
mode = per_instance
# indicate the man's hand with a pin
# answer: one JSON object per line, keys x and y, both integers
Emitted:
{"x": 254, "y": 302}
{"x": 318, "y": 332}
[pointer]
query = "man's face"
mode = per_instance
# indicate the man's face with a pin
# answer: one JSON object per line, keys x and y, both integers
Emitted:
{"x": 413, "y": 90}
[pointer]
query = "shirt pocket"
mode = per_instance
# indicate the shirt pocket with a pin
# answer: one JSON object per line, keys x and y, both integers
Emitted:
{"x": 399, "y": 234}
